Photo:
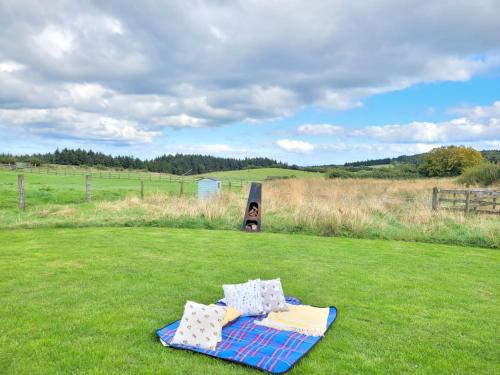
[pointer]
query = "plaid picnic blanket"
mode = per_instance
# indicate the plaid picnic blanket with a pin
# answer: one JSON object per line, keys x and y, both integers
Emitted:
{"x": 260, "y": 347}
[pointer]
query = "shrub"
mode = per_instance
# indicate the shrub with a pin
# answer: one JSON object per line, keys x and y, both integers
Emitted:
{"x": 394, "y": 171}
{"x": 449, "y": 161}
{"x": 484, "y": 174}
{"x": 338, "y": 173}
{"x": 273, "y": 178}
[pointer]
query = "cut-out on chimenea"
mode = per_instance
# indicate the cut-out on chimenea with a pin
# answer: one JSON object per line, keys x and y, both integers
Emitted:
{"x": 251, "y": 221}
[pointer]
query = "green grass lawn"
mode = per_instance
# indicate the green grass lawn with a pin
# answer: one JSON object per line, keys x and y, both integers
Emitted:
{"x": 260, "y": 174}
{"x": 89, "y": 300}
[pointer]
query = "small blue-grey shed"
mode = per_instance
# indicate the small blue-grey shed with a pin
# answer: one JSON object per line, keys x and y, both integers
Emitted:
{"x": 208, "y": 187}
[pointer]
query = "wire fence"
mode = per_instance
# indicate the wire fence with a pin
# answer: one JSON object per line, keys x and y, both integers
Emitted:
{"x": 120, "y": 174}
{"x": 35, "y": 186}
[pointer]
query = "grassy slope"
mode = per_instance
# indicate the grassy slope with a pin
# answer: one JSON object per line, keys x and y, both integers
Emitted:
{"x": 89, "y": 300}
{"x": 261, "y": 174}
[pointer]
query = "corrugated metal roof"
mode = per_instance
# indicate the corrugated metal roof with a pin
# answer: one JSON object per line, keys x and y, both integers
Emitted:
{"x": 209, "y": 178}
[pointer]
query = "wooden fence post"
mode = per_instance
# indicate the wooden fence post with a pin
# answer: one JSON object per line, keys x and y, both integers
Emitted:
{"x": 87, "y": 188}
{"x": 229, "y": 185}
{"x": 182, "y": 185}
{"x": 467, "y": 201}
{"x": 20, "y": 185}
{"x": 435, "y": 198}
{"x": 142, "y": 189}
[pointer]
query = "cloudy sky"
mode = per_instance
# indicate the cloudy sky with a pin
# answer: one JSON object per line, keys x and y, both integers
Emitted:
{"x": 307, "y": 82}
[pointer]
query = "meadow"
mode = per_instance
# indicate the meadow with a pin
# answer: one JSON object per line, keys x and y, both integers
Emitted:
{"x": 360, "y": 208}
{"x": 88, "y": 300}
{"x": 261, "y": 174}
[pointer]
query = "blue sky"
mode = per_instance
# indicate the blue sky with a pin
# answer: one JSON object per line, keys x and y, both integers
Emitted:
{"x": 309, "y": 83}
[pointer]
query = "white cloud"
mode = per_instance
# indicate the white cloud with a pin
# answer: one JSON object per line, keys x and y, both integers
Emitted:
{"x": 479, "y": 112}
{"x": 81, "y": 92}
{"x": 294, "y": 145}
{"x": 456, "y": 130}
{"x": 320, "y": 129}
{"x": 55, "y": 40}
{"x": 180, "y": 121}
{"x": 66, "y": 122}
{"x": 10, "y": 67}
{"x": 217, "y": 33}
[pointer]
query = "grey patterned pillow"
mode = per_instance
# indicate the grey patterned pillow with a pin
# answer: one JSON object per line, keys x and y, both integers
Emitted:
{"x": 244, "y": 297}
{"x": 273, "y": 298}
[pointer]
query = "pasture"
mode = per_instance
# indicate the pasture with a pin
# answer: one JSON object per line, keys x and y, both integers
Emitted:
{"x": 88, "y": 300}
{"x": 65, "y": 189}
{"x": 261, "y": 174}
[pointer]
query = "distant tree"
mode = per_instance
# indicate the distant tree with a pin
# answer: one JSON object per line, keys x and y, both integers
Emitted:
{"x": 449, "y": 161}
{"x": 492, "y": 156}
{"x": 338, "y": 173}
{"x": 33, "y": 160}
{"x": 484, "y": 174}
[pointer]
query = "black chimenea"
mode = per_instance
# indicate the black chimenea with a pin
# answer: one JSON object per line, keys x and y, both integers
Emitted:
{"x": 251, "y": 221}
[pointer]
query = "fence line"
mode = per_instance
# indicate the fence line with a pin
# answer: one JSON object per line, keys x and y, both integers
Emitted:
{"x": 123, "y": 175}
{"x": 466, "y": 200}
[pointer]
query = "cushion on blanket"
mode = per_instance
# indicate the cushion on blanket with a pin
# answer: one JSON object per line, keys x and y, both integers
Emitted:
{"x": 273, "y": 298}
{"x": 244, "y": 297}
{"x": 200, "y": 326}
{"x": 230, "y": 315}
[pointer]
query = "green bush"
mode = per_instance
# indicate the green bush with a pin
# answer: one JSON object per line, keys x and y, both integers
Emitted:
{"x": 449, "y": 161}
{"x": 394, "y": 171}
{"x": 484, "y": 174}
{"x": 273, "y": 178}
{"x": 339, "y": 173}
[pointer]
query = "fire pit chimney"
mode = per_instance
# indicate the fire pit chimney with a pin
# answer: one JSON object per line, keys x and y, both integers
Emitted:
{"x": 251, "y": 221}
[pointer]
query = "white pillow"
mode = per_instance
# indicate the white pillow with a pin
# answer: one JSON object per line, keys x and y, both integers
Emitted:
{"x": 273, "y": 298}
{"x": 200, "y": 326}
{"x": 245, "y": 297}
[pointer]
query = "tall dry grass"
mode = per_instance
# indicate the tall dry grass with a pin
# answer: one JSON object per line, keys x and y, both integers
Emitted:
{"x": 369, "y": 208}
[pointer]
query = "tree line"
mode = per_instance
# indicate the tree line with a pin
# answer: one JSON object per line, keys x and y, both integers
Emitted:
{"x": 492, "y": 156}
{"x": 175, "y": 164}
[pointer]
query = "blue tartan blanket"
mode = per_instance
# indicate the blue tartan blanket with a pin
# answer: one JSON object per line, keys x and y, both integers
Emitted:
{"x": 260, "y": 347}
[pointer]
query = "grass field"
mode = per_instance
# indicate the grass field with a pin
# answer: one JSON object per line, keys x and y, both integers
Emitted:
{"x": 89, "y": 300}
{"x": 361, "y": 208}
{"x": 261, "y": 174}
{"x": 65, "y": 189}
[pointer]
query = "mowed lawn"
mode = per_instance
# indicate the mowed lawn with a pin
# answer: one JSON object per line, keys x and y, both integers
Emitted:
{"x": 89, "y": 300}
